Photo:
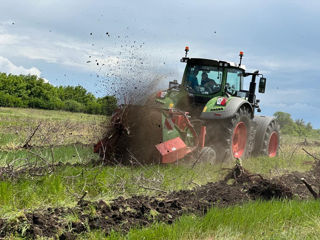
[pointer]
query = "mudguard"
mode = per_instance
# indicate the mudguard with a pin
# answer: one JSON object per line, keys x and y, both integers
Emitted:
{"x": 213, "y": 111}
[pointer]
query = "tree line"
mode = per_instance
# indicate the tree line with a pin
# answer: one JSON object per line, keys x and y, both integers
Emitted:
{"x": 296, "y": 127}
{"x": 29, "y": 91}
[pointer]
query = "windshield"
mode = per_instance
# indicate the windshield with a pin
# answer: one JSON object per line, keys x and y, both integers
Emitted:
{"x": 204, "y": 80}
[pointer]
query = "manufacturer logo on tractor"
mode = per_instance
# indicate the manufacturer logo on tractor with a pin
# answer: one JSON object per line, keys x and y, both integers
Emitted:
{"x": 221, "y": 101}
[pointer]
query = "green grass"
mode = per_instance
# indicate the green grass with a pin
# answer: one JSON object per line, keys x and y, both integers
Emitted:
{"x": 291, "y": 158}
{"x": 38, "y": 114}
{"x": 65, "y": 185}
{"x": 56, "y": 127}
{"x": 75, "y": 153}
{"x": 254, "y": 220}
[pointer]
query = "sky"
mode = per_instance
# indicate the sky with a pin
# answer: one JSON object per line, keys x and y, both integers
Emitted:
{"x": 114, "y": 46}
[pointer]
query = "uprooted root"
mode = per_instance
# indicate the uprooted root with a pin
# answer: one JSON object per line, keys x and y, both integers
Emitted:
{"x": 256, "y": 185}
{"x": 241, "y": 175}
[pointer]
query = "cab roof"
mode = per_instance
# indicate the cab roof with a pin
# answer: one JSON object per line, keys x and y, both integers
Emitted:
{"x": 213, "y": 62}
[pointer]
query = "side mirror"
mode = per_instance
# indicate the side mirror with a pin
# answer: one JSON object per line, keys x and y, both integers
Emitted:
{"x": 174, "y": 84}
{"x": 262, "y": 85}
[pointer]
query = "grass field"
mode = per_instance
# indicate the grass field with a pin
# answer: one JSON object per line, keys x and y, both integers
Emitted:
{"x": 55, "y": 127}
{"x": 67, "y": 138}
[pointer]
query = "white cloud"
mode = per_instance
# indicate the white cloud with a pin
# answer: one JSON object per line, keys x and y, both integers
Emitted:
{"x": 9, "y": 39}
{"x": 8, "y": 67}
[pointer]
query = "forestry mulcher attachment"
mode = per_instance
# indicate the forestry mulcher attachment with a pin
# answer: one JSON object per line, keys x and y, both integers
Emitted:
{"x": 209, "y": 116}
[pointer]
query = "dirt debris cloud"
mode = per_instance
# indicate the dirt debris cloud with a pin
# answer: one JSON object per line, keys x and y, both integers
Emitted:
{"x": 128, "y": 70}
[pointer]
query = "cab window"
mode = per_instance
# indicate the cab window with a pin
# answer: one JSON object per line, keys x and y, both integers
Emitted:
{"x": 234, "y": 80}
{"x": 205, "y": 80}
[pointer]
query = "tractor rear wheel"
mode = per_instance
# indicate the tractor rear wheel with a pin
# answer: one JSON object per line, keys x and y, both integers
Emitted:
{"x": 237, "y": 136}
{"x": 267, "y": 138}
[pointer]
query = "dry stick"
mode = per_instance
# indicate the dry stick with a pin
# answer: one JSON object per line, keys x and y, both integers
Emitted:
{"x": 100, "y": 169}
{"x": 293, "y": 152}
{"x": 104, "y": 151}
{"x": 280, "y": 149}
{"x": 154, "y": 189}
{"x": 198, "y": 185}
{"x": 314, "y": 157}
{"x": 83, "y": 196}
{"x": 148, "y": 188}
{"x": 52, "y": 158}
{"x": 134, "y": 158}
{"x": 314, "y": 194}
{"x": 77, "y": 153}
{"x": 42, "y": 159}
{"x": 26, "y": 145}
{"x": 197, "y": 160}
{"x": 39, "y": 156}
{"x": 84, "y": 185}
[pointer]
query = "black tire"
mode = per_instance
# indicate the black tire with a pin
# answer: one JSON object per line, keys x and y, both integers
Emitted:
{"x": 231, "y": 132}
{"x": 267, "y": 138}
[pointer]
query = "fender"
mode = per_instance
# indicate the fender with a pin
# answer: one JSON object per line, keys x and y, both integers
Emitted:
{"x": 232, "y": 106}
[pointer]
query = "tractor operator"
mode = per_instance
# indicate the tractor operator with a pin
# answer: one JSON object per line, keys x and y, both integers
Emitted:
{"x": 207, "y": 82}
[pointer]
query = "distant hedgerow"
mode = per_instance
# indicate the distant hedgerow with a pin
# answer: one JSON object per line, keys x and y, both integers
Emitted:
{"x": 33, "y": 92}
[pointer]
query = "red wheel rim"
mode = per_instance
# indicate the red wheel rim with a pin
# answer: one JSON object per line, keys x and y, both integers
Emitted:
{"x": 239, "y": 139}
{"x": 273, "y": 144}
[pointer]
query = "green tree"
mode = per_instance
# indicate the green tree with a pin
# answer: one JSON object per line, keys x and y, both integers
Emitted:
{"x": 32, "y": 91}
{"x": 283, "y": 118}
{"x": 108, "y": 104}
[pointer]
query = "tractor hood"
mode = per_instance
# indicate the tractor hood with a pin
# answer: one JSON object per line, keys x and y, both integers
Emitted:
{"x": 222, "y": 107}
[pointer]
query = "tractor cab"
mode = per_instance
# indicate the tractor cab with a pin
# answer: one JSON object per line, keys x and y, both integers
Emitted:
{"x": 204, "y": 78}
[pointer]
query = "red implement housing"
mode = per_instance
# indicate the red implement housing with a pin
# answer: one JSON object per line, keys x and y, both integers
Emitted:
{"x": 175, "y": 149}
{"x": 172, "y": 150}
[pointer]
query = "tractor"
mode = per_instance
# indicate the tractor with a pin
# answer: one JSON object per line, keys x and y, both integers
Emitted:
{"x": 209, "y": 115}
{"x": 210, "y": 111}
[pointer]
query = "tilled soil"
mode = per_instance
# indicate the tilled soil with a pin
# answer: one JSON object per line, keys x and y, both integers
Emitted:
{"x": 122, "y": 214}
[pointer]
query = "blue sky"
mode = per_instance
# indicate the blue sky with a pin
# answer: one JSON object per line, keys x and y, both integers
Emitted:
{"x": 146, "y": 39}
